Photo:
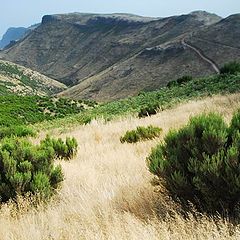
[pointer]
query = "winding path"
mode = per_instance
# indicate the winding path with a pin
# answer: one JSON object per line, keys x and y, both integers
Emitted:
{"x": 206, "y": 59}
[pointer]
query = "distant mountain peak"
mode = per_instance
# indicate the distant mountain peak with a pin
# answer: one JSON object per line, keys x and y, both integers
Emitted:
{"x": 14, "y": 34}
{"x": 206, "y": 17}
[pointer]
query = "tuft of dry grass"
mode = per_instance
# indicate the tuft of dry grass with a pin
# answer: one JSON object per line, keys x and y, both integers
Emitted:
{"x": 107, "y": 193}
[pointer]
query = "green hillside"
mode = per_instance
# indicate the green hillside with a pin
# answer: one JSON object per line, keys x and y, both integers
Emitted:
{"x": 161, "y": 99}
{"x": 20, "y": 110}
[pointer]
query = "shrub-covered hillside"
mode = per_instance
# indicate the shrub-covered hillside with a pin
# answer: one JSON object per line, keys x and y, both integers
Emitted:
{"x": 18, "y": 110}
{"x": 23, "y": 81}
{"x": 161, "y": 99}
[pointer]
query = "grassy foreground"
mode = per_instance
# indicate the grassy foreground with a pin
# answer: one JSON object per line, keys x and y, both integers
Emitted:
{"x": 107, "y": 193}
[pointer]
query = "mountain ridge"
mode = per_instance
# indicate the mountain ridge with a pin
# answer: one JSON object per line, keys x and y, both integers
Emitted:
{"x": 111, "y": 56}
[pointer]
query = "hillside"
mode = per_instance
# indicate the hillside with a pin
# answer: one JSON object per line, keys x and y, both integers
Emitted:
{"x": 195, "y": 54}
{"x": 23, "y": 81}
{"x": 159, "y": 100}
{"x": 218, "y": 41}
{"x": 114, "y": 55}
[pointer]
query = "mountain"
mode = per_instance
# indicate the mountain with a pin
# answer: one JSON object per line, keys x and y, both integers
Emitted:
{"x": 111, "y": 56}
{"x": 23, "y": 81}
{"x": 219, "y": 41}
{"x": 14, "y": 34}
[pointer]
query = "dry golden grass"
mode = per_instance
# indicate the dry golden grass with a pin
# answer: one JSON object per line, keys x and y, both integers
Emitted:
{"x": 107, "y": 193}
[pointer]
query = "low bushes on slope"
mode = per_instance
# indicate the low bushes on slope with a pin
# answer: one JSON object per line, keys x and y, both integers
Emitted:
{"x": 150, "y": 109}
{"x": 140, "y": 134}
{"x": 150, "y": 102}
{"x": 231, "y": 68}
{"x": 20, "y": 110}
{"x": 179, "y": 81}
{"x": 26, "y": 168}
{"x": 65, "y": 150}
{"x": 18, "y": 131}
{"x": 200, "y": 163}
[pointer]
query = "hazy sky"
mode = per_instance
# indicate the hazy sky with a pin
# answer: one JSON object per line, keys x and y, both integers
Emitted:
{"x": 27, "y": 12}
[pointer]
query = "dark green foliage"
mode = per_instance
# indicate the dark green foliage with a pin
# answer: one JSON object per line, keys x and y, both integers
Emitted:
{"x": 20, "y": 110}
{"x": 141, "y": 133}
{"x": 18, "y": 131}
{"x": 149, "y": 110}
{"x": 180, "y": 81}
{"x": 200, "y": 163}
{"x": 65, "y": 150}
{"x": 231, "y": 68}
{"x": 26, "y": 168}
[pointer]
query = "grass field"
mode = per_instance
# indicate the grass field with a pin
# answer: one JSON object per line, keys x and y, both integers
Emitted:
{"x": 107, "y": 193}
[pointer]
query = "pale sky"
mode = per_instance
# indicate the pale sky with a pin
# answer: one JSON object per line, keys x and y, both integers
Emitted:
{"x": 16, "y": 13}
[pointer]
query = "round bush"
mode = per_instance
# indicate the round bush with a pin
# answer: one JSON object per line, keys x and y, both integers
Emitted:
{"x": 140, "y": 134}
{"x": 26, "y": 168}
{"x": 200, "y": 163}
{"x": 149, "y": 110}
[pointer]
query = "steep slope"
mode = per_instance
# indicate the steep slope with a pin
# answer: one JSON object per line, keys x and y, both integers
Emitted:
{"x": 219, "y": 41}
{"x": 198, "y": 53}
{"x": 23, "y": 81}
{"x": 112, "y": 56}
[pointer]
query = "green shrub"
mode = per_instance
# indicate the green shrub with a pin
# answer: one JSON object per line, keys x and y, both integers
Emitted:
{"x": 141, "y": 133}
{"x": 200, "y": 163}
{"x": 231, "y": 68}
{"x": 18, "y": 131}
{"x": 150, "y": 109}
{"x": 65, "y": 150}
{"x": 27, "y": 168}
{"x": 179, "y": 81}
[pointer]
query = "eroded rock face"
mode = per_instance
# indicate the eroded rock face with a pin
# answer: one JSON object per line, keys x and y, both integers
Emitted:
{"x": 112, "y": 56}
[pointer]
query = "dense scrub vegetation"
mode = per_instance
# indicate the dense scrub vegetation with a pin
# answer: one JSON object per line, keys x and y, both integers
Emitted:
{"x": 19, "y": 110}
{"x": 26, "y": 168}
{"x": 231, "y": 68}
{"x": 18, "y": 131}
{"x": 140, "y": 134}
{"x": 63, "y": 150}
{"x": 200, "y": 163}
{"x": 180, "y": 81}
{"x": 150, "y": 109}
